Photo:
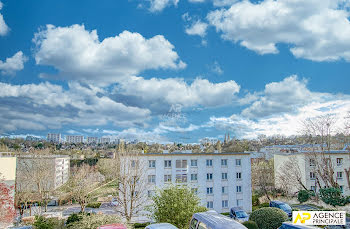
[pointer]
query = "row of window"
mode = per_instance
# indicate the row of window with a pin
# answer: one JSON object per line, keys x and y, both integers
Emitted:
{"x": 339, "y": 161}
{"x": 224, "y": 204}
{"x": 224, "y": 189}
{"x": 313, "y": 175}
{"x": 182, "y": 178}
{"x": 194, "y": 163}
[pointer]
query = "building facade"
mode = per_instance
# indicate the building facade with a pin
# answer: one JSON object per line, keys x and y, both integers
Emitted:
{"x": 307, "y": 163}
{"x": 54, "y": 168}
{"x": 221, "y": 180}
{"x": 105, "y": 140}
{"x": 91, "y": 140}
{"x": 52, "y": 137}
{"x": 74, "y": 138}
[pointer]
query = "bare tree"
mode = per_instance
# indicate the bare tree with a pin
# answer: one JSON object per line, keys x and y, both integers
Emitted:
{"x": 289, "y": 175}
{"x": 82, "y": 182}
{"x": 132, "y": 184}
{"x": 263, "y": 177}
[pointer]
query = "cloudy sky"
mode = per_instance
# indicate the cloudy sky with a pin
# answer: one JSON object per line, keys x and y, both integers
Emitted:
{"x": 172, "y": 70}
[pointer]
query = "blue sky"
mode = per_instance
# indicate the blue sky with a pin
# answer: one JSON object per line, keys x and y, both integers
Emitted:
{"x": 172, "y": 70}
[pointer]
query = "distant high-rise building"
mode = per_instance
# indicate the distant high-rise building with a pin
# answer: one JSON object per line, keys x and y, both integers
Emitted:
{"x": 74, "y": 138}
{"x": 52, "y": 137}
{"x": 91, "y": 140}
{"x": 105, "y": 140}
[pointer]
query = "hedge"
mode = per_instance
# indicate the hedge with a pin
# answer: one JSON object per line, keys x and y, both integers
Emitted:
{"x": 269, "y": 218}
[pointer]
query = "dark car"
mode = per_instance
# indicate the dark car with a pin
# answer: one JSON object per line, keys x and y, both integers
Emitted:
{"x": 283, "y": 206}
{"x": 239, "y": 214}
{"x": 287, "y": 225}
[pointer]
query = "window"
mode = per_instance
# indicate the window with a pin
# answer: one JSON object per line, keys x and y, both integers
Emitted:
{"x": 239, "y": 175}
{"x": 209, "y": 176}
{"x": 167, "y": 164}
{"x": 312, "y": 176}
{"x": 313, "y": 188}
{"x": 133, "y": 163}
{"x": 238, "y": 189}
{"x": 312, "y": 162}
{"x": 339, "y": 175}
{"x": 152, "y": 179}
{"x": 181, "y": 178}
{"x": 210, "y": 204}
{"x": 150, "y": 193}
{"x": 193, "y": 223}
{"x": 194, "y": 177}
{"x": 238, "y": 162}
{"x": 151, "y": 164}
{"x": 202, "y": 225}
{"x": 224, "y": 189}
{"x": 194, "y": 190}
{"x": 223, "y": 162}
{"x": 167, "y": 178}
{"x": 239, "y": 203}
{"x": 341, "y": 188}
{"x": 194, "y": 163}
{"x": 224, "y": 204}
{"x": 339, "y": 161}
{"x": 210, "y": 190}
{"x": 181, "y": 164}
{"x": 209, "y": 163}
{"x": 224, "y": 176}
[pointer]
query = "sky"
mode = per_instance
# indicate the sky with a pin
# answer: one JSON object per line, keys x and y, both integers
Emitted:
{"x": 172, "y": 70}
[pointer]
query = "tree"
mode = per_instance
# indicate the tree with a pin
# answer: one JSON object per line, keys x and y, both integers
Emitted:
{"x": 131, "y": 186}
{"x": 263, "y": 177}
{"x": 81, "y": 183}
{"x": 175, "y": 205}
{"x": 7, "y": 210}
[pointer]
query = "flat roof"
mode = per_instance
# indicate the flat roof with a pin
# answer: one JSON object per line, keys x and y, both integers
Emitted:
{"x": 194, "y": 154}
{"x": 306, "y": 152}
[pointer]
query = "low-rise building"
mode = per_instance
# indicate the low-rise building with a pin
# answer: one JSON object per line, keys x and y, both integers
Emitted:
{"x": 54, "y": 137}
{"x": 221, "y": 180}
{"x": 91, "y": 140}
{"x": 309, "y": 163}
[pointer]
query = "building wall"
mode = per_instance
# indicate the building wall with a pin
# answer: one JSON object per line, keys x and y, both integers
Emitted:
{"x": 305, "y": 168}
{"x": 244, "y": 197}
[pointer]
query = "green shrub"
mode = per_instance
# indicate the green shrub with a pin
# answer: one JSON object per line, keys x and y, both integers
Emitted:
{"x": 255, "y": 200}
{"x": 303, "y": 196}
{"x": 263, "y": 205}
{"x": 93, "y": 205}
{"x": 250, "y": 224}
{"x": 268, "y": 218}
{"x": 47, "y": 223}
{"x": 225, "y": 213}
{"x": 333, "y": 196}
{"x": 73, "y": 218}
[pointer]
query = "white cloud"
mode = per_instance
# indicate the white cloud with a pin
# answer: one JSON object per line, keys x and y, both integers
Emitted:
{"x": 216, "y": 68}
{"x": 172, "y": 91}
{"x": 3, "y": 27}
{"x": 45, "y": 105}
{"x": 159, "y": 5}
{"x": 315, "y": 30}
{"x": 79, "y": 54}
{"x": 220, "y": 3}
{"x": 196, "y": 1}
{"x": 278, "y": 97}
{"x": 139, "y": 134}
{"x": 13, "y": 64}
{"x": 197, "y": 28}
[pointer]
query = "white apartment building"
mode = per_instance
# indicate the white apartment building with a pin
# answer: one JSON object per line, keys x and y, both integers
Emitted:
{"x": 51, "y": 137}
{"x": 105, "y": 140}
{"x": 58, "y": 169}
{"x": 306, "y": 161}
{"x": 91, "y": 140}
{"x": 74, "y": 138}
{"x": 221, "y": 180}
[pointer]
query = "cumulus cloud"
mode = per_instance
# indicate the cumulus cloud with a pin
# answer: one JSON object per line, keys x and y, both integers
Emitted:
{"x": 197, "y": 28}
{"x": 3, "y": 27}
{"x": 78, "y": 54}
{"x": 314, "y": 30}
{"x": 279, "y": 97}
{"x": 45, "y": 105}
{"x": 220, "y": 3}
{"x": 13, "y": 64}
{"x": 159, "y": 5}
{"x": 172, "y": 91}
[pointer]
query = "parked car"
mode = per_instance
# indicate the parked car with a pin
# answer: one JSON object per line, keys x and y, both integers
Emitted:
{"x": 161, "y": 226}
{"x": 213, "y": 220}
{"x": 113, "y": 226}
{"x": 239, "y": 214}
{"x": 283, "y": 206}
{"x": 114, "y": 202}
{"x": 289, "y": 225}
{"x": 21, "y": 227}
